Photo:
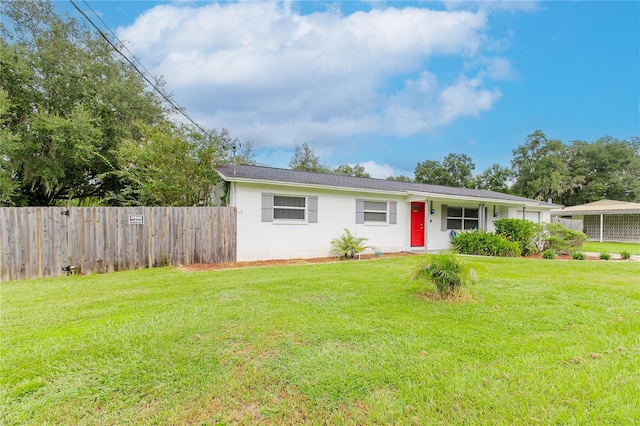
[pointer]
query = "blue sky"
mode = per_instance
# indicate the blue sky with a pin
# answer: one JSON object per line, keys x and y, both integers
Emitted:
{"x": 391, "y": 84}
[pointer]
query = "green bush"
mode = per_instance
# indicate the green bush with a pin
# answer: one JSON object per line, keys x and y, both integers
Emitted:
{"x": 446, "y": 271}
{"x": 562, "y": 240}
{"x": 626, "y": 255}
{"x": 605, "y": 256}
{"x": 484, "y": 244}
{"x": 548, "y": 254}
{"x": 520, "y": 231}
{"x": 348, "y": 245}
{"x": 578, "y": 255}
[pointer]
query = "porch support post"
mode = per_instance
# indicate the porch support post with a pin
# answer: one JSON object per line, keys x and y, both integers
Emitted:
{"x": 601, "y": 225}
{"x": 427, "y": 215}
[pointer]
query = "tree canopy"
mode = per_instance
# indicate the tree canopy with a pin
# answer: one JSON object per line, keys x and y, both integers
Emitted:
{"x": 494, "y": 178}
{"x": 455, "y": 170}
{"x": 171, "y": 166}
{"x": 356, "y": 171}
{"x": 306, "y": 159}
{"x": 543, "y": 168}
{"x": 607, "y": 168}
{"x": 79, "y": 123}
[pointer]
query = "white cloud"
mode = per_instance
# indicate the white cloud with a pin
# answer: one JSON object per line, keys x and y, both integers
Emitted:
{"x": 466, "y": 98}
{"x": 380, "y": 171}
{"x": 494, "y": 5}
{"x": 277, "y": 77}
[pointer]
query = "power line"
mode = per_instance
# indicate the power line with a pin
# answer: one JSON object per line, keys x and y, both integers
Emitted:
{"x": 120, "y": 43}
{"x": 145, "y": 75}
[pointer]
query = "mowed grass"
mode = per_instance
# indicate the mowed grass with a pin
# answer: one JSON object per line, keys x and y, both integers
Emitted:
{"x": 544, "y": 342}
{"x": 611, "y": 247}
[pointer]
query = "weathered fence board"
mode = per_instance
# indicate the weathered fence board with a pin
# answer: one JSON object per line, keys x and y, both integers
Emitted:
{"x": 574, "y": 224}
{"x": 42, "y": 241}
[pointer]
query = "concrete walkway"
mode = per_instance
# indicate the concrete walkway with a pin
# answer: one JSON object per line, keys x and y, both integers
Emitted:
{"x": 614, "y": 256}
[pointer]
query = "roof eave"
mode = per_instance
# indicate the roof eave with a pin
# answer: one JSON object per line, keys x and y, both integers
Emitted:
{"x": 437, "y": 196}
{"x": 594, "y": 212}
{"x": 310, "y": 185}
{"x": 379, "y": 191}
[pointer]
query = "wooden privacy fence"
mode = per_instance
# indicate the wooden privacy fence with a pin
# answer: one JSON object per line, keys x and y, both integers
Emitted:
{"x": 574, "y": 224}
{"x": 52, "y": 241}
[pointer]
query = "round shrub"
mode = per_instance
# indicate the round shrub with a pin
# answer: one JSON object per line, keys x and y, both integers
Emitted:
{"x": 625, "y": 255}
{"x": 548, "y": 254}
{"x": 605, "y": 256}
{"x": 578, "y": 255}
{"x": 446, "y": 271}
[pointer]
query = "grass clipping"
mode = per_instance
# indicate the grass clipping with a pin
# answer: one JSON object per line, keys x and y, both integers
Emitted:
{"x": 448, "y": 274}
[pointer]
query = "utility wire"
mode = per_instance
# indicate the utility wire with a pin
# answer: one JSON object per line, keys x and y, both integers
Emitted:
{"x": 120, "y": 43}
{"x": 144, "y": 75}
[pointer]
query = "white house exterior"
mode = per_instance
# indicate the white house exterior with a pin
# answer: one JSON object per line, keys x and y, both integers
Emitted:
{"x": 286, "y": 214}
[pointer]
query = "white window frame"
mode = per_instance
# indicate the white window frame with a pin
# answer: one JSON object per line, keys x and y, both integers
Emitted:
{"x": 463, "y": 218}
{"x": 376, "y": 211}
{"x": 293, "y": 220}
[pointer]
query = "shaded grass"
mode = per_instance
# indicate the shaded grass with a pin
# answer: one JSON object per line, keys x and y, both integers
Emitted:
{"x": 341, "y": 343}
{"x": 610, "y": 247}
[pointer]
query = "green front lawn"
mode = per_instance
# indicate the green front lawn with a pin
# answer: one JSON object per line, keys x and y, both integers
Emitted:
{"x": 606, "y": 247}
{"x": 544, "y": 342}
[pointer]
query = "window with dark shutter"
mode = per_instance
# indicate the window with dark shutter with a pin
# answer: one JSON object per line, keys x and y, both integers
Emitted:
{"x": 288, "y": 208}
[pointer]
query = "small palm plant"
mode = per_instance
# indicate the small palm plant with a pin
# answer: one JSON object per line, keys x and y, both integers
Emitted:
{"x": 447, "y": 272}
{"x": 348, "y": 245}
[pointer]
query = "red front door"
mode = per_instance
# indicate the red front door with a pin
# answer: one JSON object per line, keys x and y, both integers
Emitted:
{"x": 417, "y": 224}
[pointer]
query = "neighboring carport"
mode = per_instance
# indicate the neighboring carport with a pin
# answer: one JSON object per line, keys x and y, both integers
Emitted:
{"x": 606, "y": 220}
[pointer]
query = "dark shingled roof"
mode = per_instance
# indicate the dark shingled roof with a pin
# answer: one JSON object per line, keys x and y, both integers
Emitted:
{"x": 274, "y": 175}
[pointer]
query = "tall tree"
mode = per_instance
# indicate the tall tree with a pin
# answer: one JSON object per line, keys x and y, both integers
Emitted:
{"x": 494, "y": 178}
{"x": 306, "y": 159}
{"x": 607, "y": 168}
{"x": 357, "y": 171}
{"x": 71, "y": 103}
{"x": 8, "y": 145}
{"x": 246, "y": 154}
{"x": 455, "y": 170}
{"x": 150, "y": 168}
{"x": 400, "y": 178}
{"x": 541, "y": 168}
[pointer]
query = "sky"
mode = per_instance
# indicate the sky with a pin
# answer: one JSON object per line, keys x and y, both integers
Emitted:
{"x": 390, "y": 84}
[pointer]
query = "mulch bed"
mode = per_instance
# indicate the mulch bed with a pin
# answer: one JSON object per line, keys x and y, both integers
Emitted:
{"x": 233, "y": 265}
